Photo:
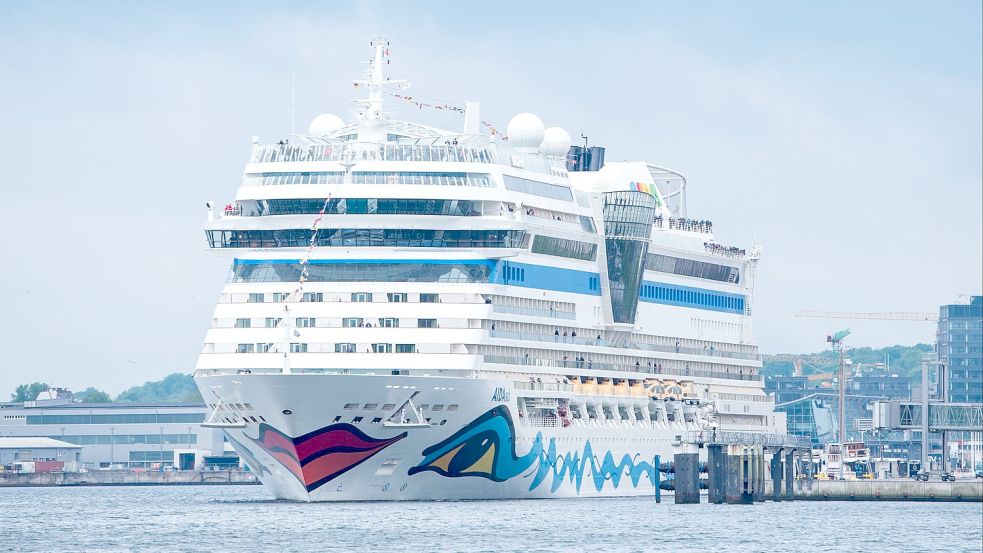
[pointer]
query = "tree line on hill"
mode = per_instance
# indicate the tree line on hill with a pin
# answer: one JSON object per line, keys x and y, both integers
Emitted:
{"x": 174, "y": 387}
{"x": 902, "y": 360}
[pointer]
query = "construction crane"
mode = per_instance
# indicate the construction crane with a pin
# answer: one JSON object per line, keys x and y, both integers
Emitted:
{"x": 892, "y": 316}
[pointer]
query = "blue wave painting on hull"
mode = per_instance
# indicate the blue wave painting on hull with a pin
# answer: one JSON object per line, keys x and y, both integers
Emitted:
{"x": 484, "y": 448}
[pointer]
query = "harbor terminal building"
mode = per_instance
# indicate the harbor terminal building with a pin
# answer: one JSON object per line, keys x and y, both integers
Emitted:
{"x": 121, "y": 435}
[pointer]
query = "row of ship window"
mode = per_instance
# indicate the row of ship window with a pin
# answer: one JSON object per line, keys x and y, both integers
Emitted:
{"x": 360, "y": 206}
{"x": 361, "y": 272}
{"x": 391, "y": 406}
{"x": 356, "y": 297}
{"x": 342, "y": 347}
{"x": 692, "y": 268}
{"x": 346, "y": 322}
{"x": 287, "y": 238}
{"x": 561, "y": 247}
{"x": 542, "y": 244}
{"x": 706, "y": 299}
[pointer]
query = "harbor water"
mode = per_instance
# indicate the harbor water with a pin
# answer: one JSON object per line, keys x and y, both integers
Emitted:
{"x": 244, "y": 518}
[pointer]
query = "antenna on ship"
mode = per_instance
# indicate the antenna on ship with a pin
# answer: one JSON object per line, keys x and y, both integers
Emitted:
{"x": 371, "y": 123}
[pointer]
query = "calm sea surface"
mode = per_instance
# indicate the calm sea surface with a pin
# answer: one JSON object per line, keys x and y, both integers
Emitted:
{"x": 243, "y": 518}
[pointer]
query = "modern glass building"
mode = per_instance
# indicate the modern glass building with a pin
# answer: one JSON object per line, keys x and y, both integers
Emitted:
{"x": 812, "y": 409}
{"x": 960, "y": 349}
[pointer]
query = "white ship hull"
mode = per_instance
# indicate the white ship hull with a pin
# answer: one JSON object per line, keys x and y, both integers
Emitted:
{"x": 480, "y": 452}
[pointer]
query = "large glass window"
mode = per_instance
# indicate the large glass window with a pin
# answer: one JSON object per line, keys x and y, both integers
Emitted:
{"x": 360, "y": 206}
{"x": 537, "y": 188}
{"x": 411, "y": 238}
{"x": 363, "y": 272}
{"x": 551, "y": 245}
{"x": 691, "y": 267}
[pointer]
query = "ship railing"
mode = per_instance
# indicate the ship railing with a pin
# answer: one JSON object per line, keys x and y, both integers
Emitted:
{"x": 355, "y": 152}
{"x": 549, "y": 313}
{"x": 585, "y": 341}
{"x": 543, "y": 386}
{"x": 540, "y": 422}
{"x": 721, "y": 250}
{"x": 724, "y": 437}
{"x": 682, "y": 223}
{"x": 742, "y": 397}
{"x": 587, "y": 364}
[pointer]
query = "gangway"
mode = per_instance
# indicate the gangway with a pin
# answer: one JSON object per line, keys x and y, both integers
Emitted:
{"x": 907, "y": 415}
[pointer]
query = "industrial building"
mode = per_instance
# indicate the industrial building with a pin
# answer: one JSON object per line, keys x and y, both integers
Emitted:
{"x": 120, "y": 435}
{"x": 38, "y": 455}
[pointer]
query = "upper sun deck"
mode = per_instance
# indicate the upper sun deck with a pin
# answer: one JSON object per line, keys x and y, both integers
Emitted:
{"x": 447, "y": 148}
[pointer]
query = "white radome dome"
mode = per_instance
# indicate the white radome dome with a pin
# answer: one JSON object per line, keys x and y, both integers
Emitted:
{"x": 325, "y": 123}
{"x": 556, "y": 142}
{"x": 525, "y": 131}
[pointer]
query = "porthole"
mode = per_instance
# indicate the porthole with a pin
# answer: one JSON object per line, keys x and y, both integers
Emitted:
{"x": 287, "y": 412}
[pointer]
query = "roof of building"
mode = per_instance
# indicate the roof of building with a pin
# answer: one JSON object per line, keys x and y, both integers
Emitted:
{"x": 7, "y": 442}
{"x": 111, "y": 405}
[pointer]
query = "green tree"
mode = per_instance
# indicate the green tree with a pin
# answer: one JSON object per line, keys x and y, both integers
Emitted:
{"x": 174, "y": 387}
{"x": 28, "y": 392}
{"x": 92, "y": 395}
{"x": 903, "y": 360}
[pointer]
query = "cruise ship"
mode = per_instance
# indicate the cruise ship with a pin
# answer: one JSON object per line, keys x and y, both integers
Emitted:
{"x": 423, "y": 313}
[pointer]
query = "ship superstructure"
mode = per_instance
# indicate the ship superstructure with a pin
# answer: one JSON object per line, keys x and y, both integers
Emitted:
{"x": 417, "y": 313}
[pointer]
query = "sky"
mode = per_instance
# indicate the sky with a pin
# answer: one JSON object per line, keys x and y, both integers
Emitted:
{"x": 845, "y": 138}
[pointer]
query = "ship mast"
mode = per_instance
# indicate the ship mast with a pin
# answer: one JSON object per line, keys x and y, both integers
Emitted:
{"x": 371, "y": 122}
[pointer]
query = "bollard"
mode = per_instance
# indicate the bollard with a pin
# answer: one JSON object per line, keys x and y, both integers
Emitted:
{"x": 687, "y": 478}
{"x": 655, "y": 480}
{"x": 716, "y": 474}
{"x": 737, "y": 476}
{"x": 776, "y": 475}
{"x": 789, "y": 474}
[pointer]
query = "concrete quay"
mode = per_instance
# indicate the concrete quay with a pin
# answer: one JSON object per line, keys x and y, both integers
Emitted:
{"x": 126, "y": 478}
{"x": 890, "y": 490}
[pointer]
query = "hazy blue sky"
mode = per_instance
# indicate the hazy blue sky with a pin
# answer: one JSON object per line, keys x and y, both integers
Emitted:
{"x": 844, "y": 137}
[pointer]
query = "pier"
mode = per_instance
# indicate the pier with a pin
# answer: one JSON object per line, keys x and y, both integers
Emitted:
{"x": 742, "y": 467}
{"x": 892, "y": 490}
{"x": 126, "y": 478}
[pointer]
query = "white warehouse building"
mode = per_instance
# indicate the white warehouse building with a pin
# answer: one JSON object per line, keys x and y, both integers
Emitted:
{"x": 121, "y": 435}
